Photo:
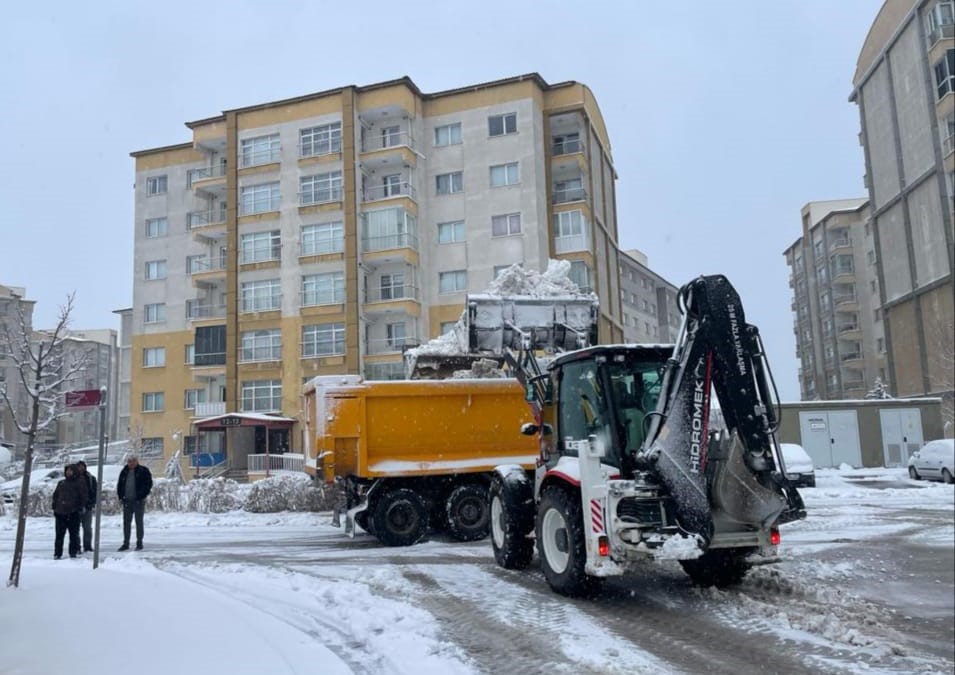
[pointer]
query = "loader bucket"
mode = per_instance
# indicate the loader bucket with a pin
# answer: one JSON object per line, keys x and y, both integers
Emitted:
{"x": 549, "y": 323}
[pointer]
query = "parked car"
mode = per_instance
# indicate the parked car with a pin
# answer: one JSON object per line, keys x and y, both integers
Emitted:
{"x": 934, "y": 461}
{"x": 799, "y": 468}
{"x": 10, "y": 490}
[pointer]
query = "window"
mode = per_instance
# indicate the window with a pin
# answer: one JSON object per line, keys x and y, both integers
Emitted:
{"x": 396, "y": 335}
{"x": 260, "y": 247}
{"x": 451, "y": 232}
{"x": 880, "y": 345}
{"x": 320, "y": 188}
{"x": 580, "y": 275}
{"x": 260, "y": 150}
{"x": 323, "y": 340}
{"x": 261, "y": 296}
{"x": 193, "y": 396}
{"x": 569, "y": 191}
{"x": 154, "y": 313}
{"x": 391, "y": 185}
{"x": 569, "y": 224}
{"x": 452, "y": 282}
{"x": 260, "y": 198}
{"x": 945, "y": 74}
{"x": 323, "y": 289}
{"x": 155, "y": 269}
{"x": 190, "y": 354}
{"x": 646, "y": 306}
{"x": 566, "y": 144}
{"x": 196, "y": 263}
{"x": 498, "y": 125}
{"x": 388, "y": 228}
{"x": 392, "y": 286}
{"x": 502, "y": 226}
{"x": 870, "y": 257}
{"x": 323, "y": 238}
{"x": 262, "y": 396}
{"x": 873, "y": 287}
{"x": 321, "y": 140}
{"x": 153, "y": 357}
{"x": 152, "y": 447}
{"x": 942, "y": 14}
{"x": 449, "y": 183}
{"x": 153, "y": 401}
{"x": 156, "y": 227}
{"x": 156, "y": 185}
{"x": 449, "y": 134}
{"x": 209, "y": 349}
{"x": 261, "y": 345}
{"x": 505, "y": 174}
{"x": 390, "y": 136}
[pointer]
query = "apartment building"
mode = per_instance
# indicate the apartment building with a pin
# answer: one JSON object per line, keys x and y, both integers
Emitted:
{"x": 13, "y": 304}
{"x": 324, "y": 234}
{"x": 124, "y": 374}
{"x": 650, "y": 312}
{"x": 840, "y": 339}
{"x": 904, "y": 85}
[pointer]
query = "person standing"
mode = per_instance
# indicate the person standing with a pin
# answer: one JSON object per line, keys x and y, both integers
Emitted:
{"x": 69, "y": 499}
{"x": 134, "y": 484}
{"x": 86, "y": 519}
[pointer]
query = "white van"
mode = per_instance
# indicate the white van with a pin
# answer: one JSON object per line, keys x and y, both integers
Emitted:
{"x": 934, "y": 461}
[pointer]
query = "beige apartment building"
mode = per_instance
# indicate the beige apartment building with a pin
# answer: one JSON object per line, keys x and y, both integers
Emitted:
{"x": 324, "y": 234}
{"x": 650, "y": 310}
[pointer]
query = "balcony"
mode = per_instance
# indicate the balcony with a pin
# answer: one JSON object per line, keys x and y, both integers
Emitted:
{"x": 259, "y": 157}
{"x": 388, "y": 242}
{"x": 198, "y": 312}
{"x": 392, "y": 300}
{"x": 394, "y": 345}
{"x": 206, "y": 218}
{"x": 376, "y": 193}
{"x": 566, "y": 146}
{"x": 849, "y": 330}
{"x": 572, "y": 243}
{"x": 270, "y": 303}
{"x": 210, "y": 409}
{"x": 390, "y": 293}
{"x": 845, "y": 359}
{"x": 848, "y": 302}
{"x": 383, "y": 147}
{"x": 567, "y": 195}
{"x": 840, "y": 243}
{"x": 208, "y": 179}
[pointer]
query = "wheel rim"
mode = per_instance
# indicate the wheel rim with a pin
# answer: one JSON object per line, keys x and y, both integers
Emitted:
{"x": 497, "y": 522}
{"x": 401, "y": 518}
{"x": 469, "y": 512}
{"x": 551, "y": 527}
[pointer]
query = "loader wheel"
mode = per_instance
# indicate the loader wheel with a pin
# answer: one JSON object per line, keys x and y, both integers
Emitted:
{"x": 467, "y": 512}
{"x": 511, "y": 523}
{"x": 720, "y": 568}
{"x": 400, "y": 518}
{"x": 560, "y": 543}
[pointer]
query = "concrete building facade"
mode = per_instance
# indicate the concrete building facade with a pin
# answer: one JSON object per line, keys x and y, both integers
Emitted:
{"x": 650, "y": 312}
{"x": 13, "y": 305}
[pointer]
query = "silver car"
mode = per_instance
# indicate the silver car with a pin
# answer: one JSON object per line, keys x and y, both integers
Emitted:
{"x": 934, "y": 461}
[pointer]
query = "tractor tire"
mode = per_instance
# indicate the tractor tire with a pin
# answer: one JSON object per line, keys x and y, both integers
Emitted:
{"x": 720, "y": 568}
{"x": 467, "y": 512}
{"x": 561, "y": 545}
{"x": 400, "y": 518}
{"x": 913, "y": 474}
{"x": 512, "y": 520}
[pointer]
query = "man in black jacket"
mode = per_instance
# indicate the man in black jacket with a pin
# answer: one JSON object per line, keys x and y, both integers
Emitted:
{"x": 132, "y": 488}
{"x": 86, "y": 518}
{"x": 69, "y": 498}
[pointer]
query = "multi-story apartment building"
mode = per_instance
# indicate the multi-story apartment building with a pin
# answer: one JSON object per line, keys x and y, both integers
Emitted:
{"x": 324, "y": 234}
{"x": 650, "y": 312}
{"x": 904, "y": 85}
{"x": 124, "y": 374}
{"x": 837, "y": 320}
{"x": 13, "y": 304}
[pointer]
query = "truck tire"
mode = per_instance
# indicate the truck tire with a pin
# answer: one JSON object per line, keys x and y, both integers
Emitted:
{"x": 720, "y": 568}
{"x": 511, "y": 522}
{"x": 560, "y": 543}
{"x": 400, "y": 518}
{"x": 467, "y": 512}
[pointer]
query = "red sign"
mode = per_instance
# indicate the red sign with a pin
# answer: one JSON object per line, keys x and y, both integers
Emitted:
{"x": 82, "y": 399}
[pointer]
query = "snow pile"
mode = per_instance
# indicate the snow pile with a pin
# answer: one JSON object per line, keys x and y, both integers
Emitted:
{"x": 676, "y": 547}
{"x": 516, "y": 280}
{"x": 285, "y": 492}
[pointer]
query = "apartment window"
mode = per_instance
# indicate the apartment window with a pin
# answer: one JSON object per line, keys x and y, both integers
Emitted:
{"x": 261, "y": 296}
{"x": 502, "y": 226}
{"x": 210, "y": 346}
{"x": 193, "y": 396}
{"x": 449, "y": 183}
{"x": 580, "y": 275}
{"x": 156, "y": 185}
{"x": 945, "y": 74}
{"x": 154, "y": 313}
{"x": 566, "y": 144}
{"x": 880, "y": 345}
{"x": 261, "y": 345}
{"x": 260, "y": 150}
{"x": 448, "y": 134}
{"x": 323, "y": 340}
{"x": 505, "y": 174}
{"x": 942, "y": 14}
{"x": 260, "y": 198}
{"x": 320, "y": 188}
{"x": 156, "y": 227}
{"x": 155, "y": 269}
{"x": 646, "y": 306}
{"x": 451, "y": 232}
{"x": 196, "y": 263}
{"x": 190, "y": 354}
{"x": 452, "y": 282}
{"x": 260, "y": 247}
{"x": 570, "y": 224}
{"x": 153, "y": 401}
{"x": 323, "y": 289}
{"x": 824, "y": 300}
{"x": 154, "y": 357}
{"x": 323, "y": 238}
{"x": 873, "y": 286}
{"x": 262, "y": 396}
{"x": 396, "y": 335}
{"x": 321, "y": 140}
{"x": 498, "y": 125}
{"x": 878, "y": 314}
{"x": 392, "y": 286}
{"x": 390, "y": 136}
{"x": 870, "y": 257}
{"x": 391, "y": 185}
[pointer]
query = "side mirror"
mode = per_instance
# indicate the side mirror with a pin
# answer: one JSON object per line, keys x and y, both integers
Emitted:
{"x": 530, "y": 429}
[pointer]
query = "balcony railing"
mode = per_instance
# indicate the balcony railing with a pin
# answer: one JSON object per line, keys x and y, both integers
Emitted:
{"x": 258, "y": 157}
{"x": 217, "y": 171}
{"x": 375, "y": 192}
{"x": 264, "y": 304}
{"x": 389, "y": 241}
{"x": 318, "y": 148}
{"x": 289, "y": 462}
{"x": 839, "y": 243}
{"x": 574, "y": 242}
{"x": 948, "y": 145}
{"x": 209, "y": 409}
{"x": 373, "y": 294}
{"x": 320, "y": 298}
{"x": 378, "y": 141}
{"x": 204, "y": 311}
{"x": 391, "y": 345}
{"x": 567, "y": 147}
{"x": 215, "y": 264}
{"x": 848, "y": 328}
{"x": 322, "y": 196}
{"x": 844, "y": 299}
{"x": 569, "y": 195}
{"x": 851, "y": 356}
{"x": 941, "y": 32}
{"x": 207, "y": 217}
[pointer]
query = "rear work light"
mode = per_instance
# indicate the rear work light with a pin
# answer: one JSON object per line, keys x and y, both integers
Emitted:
{"x": 603, "y": 546}
{"x": 774, "y": 537}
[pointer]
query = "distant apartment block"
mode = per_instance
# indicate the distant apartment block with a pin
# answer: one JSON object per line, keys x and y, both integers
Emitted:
{"x": 840, "y": 340}
{"x": 904, "y": 85}
{"x": 327, "y": 233}
{"x": 13, "y": 304}
{"x": 650, "y": 312}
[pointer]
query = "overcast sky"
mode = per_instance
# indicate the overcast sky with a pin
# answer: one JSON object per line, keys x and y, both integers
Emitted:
{"x": 724, "y": 117}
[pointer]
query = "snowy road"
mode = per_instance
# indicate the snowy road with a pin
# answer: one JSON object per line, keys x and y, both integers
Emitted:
{"x": 866, "y": 585}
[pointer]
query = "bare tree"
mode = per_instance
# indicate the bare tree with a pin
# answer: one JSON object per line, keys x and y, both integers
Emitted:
{"x": 42, "y": 370}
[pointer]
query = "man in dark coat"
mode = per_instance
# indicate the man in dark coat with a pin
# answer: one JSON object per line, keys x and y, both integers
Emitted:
{"x": 132, "y": 488}
{"x": 86, "y": 518}
{"x": 69, "y": 499}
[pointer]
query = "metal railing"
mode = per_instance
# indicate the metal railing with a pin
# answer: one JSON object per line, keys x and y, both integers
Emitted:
{"x": 844, "y": 299}
{"x": 389, "y": 241}
{"x": 262, "y": 206}
{"x": 289, "y": 462}
{"x": 574, "y": 242}
{"x": 567, "y": 147}
{"x": 206, "y": 217}
{"x": 262, "y": 304}
{"x": 376, "y": 192}
{"x": 848, "y": 328}
{"x": 378, "y": 141}
{"x": 259, "y": 157}
{"x": 320, "y": 298}
{"x": 852, "y": 356}
{"x": 209, "y": 409}
{"x": 217, "y": 171}
{"x": 839, "y": 243}
{"x": 215, "y": 264}
{"x": 320, "y": 196}
{"x": 322, "y": 247}
{"x": 377, "y": 294}
{"x": 204, "y": 311}
{"x": 332, "y": 146}
{"x": 391, "y": 345}
{"x": 940, "y": 33}
{"x": 569, "y": 195}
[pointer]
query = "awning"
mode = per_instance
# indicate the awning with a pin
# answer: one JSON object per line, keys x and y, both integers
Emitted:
{"x": 243, "y": 420}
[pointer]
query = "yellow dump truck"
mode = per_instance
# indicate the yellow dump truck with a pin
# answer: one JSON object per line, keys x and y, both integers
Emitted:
{"x": 415, "y": 455}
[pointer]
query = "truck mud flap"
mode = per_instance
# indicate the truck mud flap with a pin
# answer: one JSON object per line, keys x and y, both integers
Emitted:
{"x": 350, "y": 518}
